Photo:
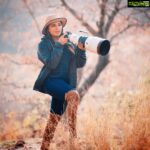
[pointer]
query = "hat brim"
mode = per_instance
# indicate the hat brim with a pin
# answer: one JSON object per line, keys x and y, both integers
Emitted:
{"x": 62, "y": 20}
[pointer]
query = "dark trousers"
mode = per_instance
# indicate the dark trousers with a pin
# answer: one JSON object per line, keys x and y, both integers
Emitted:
{"x": 57, "y": 89}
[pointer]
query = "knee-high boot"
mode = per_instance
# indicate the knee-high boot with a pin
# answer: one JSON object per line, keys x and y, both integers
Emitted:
{"x": 73, "y": 99}
{"x": 49, "y": 130}
{"x": 72, "y": 118}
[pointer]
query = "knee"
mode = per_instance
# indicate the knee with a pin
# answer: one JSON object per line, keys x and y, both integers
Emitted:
{"x": 72, "y": 96}
{"x": 54, "y": 118}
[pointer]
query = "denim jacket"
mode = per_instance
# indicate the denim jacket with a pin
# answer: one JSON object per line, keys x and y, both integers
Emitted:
{"x": 49, "y": 53}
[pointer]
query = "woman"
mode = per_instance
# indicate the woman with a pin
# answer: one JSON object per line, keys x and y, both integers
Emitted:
{"x": 58, "y": 76}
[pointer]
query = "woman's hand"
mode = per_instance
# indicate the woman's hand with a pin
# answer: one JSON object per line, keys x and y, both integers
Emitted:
{"x": 63, "y": 40}
{"x": 81, "y": 46}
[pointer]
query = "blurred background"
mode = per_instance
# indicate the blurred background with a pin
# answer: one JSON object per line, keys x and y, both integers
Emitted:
{"x": 115, "y": 89}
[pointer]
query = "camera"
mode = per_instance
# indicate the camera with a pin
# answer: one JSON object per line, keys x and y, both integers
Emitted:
{"x": 93, "y": 44}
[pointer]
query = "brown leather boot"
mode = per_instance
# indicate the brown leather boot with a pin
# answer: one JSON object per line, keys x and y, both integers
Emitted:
{"x": 72, "y": 118}
{"x": 49, "y": 130}
{"x": 72, "y": 98}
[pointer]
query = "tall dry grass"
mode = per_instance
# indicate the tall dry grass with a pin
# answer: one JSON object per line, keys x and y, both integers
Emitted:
{"x": 122, "y": 122}
{"x": 137, "y": 131}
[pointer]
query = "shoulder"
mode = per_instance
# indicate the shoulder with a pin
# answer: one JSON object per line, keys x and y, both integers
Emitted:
{"x": 44, "y": 43}
{"x": 44, "y": 40}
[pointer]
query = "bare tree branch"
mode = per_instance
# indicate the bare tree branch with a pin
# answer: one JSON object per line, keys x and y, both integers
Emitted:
{"x": 80, "y": 18}
{"x": 123, "y": 7}
{"x": 112, "y": 16}
{"x": 144, "y": 11}
{"x": 102, "y": 63}
{"x": 80, "y": 74}
{"x": 32, "y": 15}
{"x": 147, "y": 15}
{"x": 120, "y": 32}
{"x": 134, "y": 23}
{"x": 100, "y": 24}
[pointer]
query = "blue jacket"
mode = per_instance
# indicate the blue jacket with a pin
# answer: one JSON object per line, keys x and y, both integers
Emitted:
{"x": 49, "y": 53}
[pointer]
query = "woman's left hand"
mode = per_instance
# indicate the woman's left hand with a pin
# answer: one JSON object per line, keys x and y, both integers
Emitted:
{"x": 81, "y": 46}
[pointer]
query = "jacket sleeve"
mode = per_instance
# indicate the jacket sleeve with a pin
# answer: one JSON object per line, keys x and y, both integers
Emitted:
{"x": 80, "y": 57}
{"x": 50, "y": 55}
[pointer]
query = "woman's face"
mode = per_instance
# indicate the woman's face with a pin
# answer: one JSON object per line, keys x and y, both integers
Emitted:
{"x": 55, "y": 29}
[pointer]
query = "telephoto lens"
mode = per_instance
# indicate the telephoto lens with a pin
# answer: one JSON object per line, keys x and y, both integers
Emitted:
{"x": 93, "y": 44}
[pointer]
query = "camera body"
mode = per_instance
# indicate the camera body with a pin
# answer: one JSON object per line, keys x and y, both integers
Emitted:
{"x": 93, "y": 44}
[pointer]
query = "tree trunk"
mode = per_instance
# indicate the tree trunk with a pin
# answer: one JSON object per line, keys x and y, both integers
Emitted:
{"x": 102, "y": 63}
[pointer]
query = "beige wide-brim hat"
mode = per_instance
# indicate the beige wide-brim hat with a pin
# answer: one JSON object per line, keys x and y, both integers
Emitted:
{"x": 51, "y": 19}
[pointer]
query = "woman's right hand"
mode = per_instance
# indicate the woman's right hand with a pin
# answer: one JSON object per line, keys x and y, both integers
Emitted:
{"x": 63, "y": 40}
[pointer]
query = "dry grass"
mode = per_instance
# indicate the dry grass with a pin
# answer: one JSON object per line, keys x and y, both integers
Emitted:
{"x": 122, "y": 123}
{"x": 137, "y": 131}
